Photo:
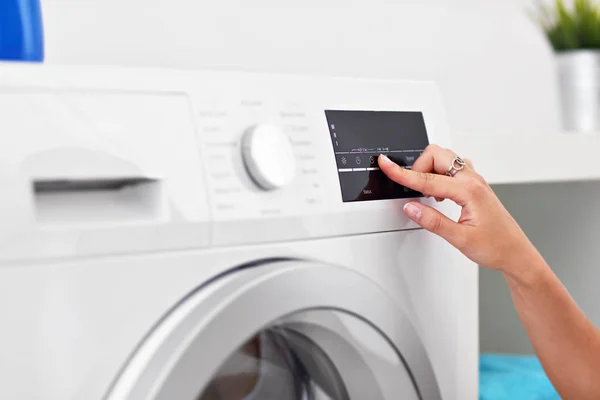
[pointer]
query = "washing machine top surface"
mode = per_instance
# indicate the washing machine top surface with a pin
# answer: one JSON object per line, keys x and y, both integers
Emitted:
{"x": 112, "y": 160}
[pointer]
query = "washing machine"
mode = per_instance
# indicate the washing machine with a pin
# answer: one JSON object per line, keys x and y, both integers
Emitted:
{"x": 223, "y": 235}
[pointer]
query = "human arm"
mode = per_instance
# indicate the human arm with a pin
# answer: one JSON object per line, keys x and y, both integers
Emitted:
{"x": 566, "y": 342}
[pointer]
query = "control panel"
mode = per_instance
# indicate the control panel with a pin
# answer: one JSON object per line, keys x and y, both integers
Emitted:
{"x": 259, "y": 154}
{"x": 299, "y": 154}
{"x": 358, "y": 137}
{"x": 138, "y": 159}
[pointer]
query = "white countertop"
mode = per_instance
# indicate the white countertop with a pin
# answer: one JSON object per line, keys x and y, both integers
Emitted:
{"x": 532, "y": 159}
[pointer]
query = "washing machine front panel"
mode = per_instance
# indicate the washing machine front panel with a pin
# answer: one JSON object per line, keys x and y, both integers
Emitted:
{"x": 89, "y": 288}
{"x": 319, "y": 340}
{"x": 170, "y": 160}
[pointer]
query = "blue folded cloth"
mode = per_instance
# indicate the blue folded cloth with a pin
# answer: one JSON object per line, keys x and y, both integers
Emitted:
{"x": 513, "y": 377}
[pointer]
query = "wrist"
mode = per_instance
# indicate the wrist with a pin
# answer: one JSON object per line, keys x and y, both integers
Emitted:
{"x": 526, "y": 269}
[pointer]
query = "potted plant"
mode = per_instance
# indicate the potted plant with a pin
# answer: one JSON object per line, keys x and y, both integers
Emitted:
{"x": 574, "y": 33}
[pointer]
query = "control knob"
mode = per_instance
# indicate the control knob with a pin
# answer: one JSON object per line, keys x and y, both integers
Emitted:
{"x": 268, "y": 156}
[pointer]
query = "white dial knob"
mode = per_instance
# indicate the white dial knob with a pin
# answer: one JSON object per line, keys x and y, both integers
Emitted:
{"x": 269, "y": 156}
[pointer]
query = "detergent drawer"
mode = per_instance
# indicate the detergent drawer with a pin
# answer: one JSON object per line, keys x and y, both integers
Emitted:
{"x": 89, "y": 171}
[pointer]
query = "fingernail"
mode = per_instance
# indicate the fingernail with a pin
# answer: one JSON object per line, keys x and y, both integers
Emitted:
{"x": 384, "y": 159}
{"x": 413, "y": 211}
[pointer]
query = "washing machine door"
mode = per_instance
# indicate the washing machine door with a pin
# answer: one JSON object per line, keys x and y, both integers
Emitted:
{"x": 277, "y": 331}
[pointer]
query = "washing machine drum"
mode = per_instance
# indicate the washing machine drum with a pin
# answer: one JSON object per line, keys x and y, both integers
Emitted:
{"x": 281, "y": 330}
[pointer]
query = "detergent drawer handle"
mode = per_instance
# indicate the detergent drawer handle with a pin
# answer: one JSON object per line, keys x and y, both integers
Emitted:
{"x": 102, "y": 200}
{"x": 82, "y": 185}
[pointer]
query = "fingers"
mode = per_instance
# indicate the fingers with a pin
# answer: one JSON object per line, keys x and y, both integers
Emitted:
{"x": 429, "y": 184}
{"x": 437, "y": 160}
{"x": 434, "y": 160}
{"x": 435, "y": 222}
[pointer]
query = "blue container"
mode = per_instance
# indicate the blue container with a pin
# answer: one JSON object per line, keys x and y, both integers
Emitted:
{"x": 21, "y": 30}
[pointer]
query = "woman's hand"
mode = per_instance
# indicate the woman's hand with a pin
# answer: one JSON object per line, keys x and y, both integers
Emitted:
{"x": 486, "y": 233}
{"x": 566, "y": 342}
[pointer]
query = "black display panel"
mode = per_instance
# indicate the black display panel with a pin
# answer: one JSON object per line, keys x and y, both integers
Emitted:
{"x": 358, "y": 137}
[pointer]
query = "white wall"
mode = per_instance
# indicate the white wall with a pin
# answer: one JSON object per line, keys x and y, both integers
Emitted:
{"x": 494, "y": 67}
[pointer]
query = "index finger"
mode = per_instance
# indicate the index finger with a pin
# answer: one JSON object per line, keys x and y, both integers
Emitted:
{"x": 428, "y": 184}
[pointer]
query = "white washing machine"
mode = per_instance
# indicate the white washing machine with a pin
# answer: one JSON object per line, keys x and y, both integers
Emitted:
{"x": 221, "y": 235}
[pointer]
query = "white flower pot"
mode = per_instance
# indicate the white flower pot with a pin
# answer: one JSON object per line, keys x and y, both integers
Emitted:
{"x": 579, "y": 76}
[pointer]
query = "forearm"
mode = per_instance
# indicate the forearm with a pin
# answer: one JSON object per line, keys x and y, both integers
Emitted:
{"x": 565, "y": 340}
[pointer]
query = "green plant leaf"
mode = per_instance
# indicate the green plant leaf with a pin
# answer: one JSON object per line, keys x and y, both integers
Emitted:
{"x": 571, "y": 29}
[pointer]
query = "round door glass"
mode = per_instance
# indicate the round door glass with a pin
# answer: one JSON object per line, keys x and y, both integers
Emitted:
{"x": 313, "y": 355}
